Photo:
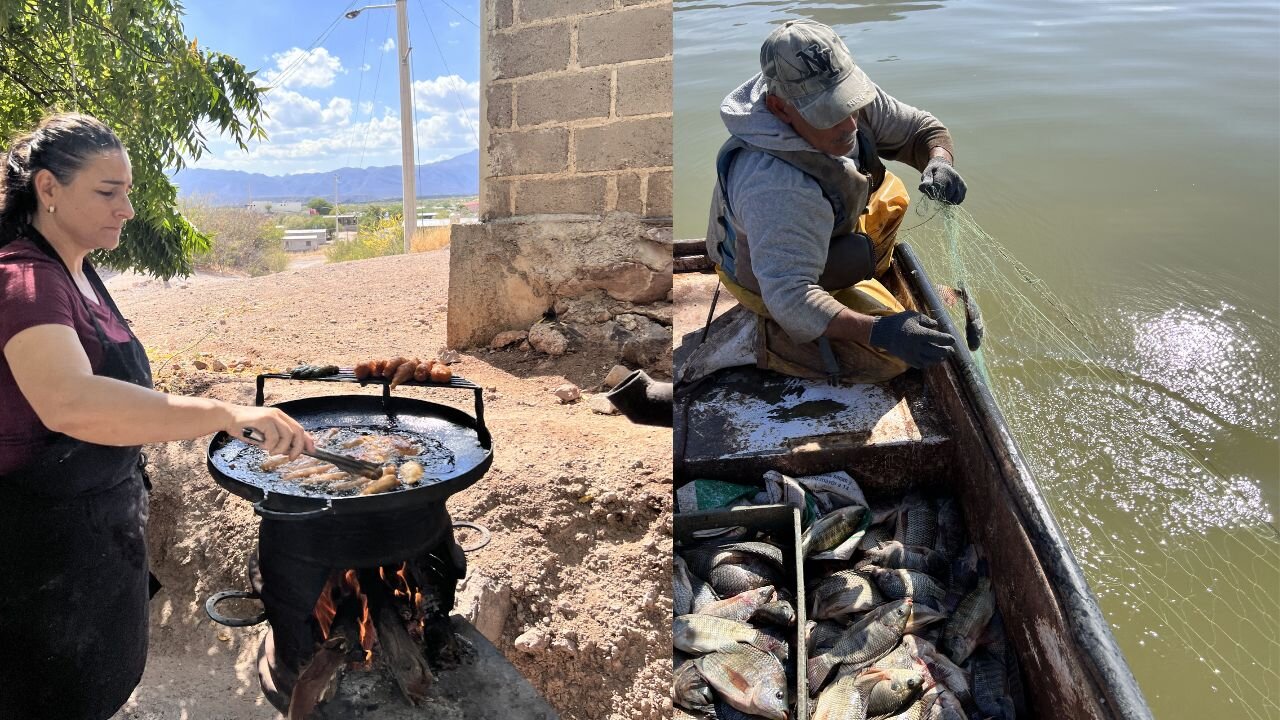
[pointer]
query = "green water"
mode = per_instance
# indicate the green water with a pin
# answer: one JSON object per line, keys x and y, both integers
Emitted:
{"x": 1128, "y": 154}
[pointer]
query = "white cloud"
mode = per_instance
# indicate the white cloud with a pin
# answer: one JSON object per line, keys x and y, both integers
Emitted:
{"x": 389, "y": 45}
{"x": 454, "y": 23}
{"x": 310, "y": 135}
{"x": 296, "y": 67}
{"x": 366, "y": 67}
{"x": 445, "y": 93}
{"x": 290, "y": 112}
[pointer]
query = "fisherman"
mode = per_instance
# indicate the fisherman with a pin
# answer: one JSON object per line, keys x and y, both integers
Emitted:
{"x": 804, "y": 215}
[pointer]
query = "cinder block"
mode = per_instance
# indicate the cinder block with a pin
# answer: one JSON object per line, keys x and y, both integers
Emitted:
{"x": 580, "y": 195}
{"x": 495, "y": 199}
{"x": 531, "y": 50}
{"x": 529, "y": 152}
{"x": 644, "y": 89}
{"x": 568, "y": 97}
{"x": 629, "y": 197}
{"x": 624, "y": 145}
{"x": 498, "y": 99}
{"x": 503, "y": 13}
{"x": 633, "y": 34}
{"x": 531, "y": 10}
{"x": 658, "y": 202}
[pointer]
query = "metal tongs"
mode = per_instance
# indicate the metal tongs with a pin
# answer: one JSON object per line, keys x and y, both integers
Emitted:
{"x": 346, "y": 463}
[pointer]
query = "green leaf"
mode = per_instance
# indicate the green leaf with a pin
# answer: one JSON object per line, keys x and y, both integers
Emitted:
{"x": 137, "y": 71}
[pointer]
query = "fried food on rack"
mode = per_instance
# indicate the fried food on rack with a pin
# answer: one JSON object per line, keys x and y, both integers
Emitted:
{"x": 404, "y": 373}
{"x": 441, "y": 373}
{"x": 393, "y": 364}
{"x": 363, "y": 371}
{"x": 423, "y": 372}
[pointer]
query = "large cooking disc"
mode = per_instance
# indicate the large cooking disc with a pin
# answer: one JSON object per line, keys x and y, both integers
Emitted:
{"x": 454, "y": 456}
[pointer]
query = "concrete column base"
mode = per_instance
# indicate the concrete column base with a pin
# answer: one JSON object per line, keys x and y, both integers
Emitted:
{"x": 506, "y": 274}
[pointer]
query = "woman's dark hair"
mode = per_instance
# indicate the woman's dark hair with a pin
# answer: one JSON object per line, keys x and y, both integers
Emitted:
{"x": 61, "y": 144}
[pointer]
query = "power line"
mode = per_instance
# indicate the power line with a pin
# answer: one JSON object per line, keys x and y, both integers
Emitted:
{"x": 324, "y": 34}
{"x": 377, "y": 82}
{"x": 455, "y": 10}
{"x": 461, "y": 109}
{"x": 360, "y": 88}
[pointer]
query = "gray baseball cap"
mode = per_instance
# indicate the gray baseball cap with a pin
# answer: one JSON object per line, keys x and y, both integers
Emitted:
{"x": 808, "y": 65}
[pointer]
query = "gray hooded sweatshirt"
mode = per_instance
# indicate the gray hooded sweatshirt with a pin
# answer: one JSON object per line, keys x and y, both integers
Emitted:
{"x": 787, "y": 220}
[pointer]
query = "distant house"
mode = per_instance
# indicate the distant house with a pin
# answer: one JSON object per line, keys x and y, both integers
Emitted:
{"x": 303, "y": 240}
{"x": 275, "y": 206}
{"x": 348, "y": 223}
{"x": 346, "y": 226}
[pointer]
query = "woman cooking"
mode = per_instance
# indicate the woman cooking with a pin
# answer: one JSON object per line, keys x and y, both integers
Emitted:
{"x": 75, "y": 405}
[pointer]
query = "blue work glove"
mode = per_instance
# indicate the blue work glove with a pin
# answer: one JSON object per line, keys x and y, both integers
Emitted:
{"x": 940, "y": 181}
{"x": 912, "y": 338}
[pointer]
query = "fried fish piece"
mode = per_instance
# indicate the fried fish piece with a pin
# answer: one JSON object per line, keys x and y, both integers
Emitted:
{"x": 273, "y": 462}
{"x": 393, "y": 364}
{"x": 363, "y": 370}
{"x": 386, "y": 483}
{"x": 411, "y": 473}
{"x": 423, "y": 373}
{"x": 325, "y": 478}
{"x": 441, "y": 373}
{"x": 403, "y": 373}
{"x": 309, "y": 471}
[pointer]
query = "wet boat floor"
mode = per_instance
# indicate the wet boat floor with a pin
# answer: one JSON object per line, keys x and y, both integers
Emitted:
{"x": 756, "y": 420}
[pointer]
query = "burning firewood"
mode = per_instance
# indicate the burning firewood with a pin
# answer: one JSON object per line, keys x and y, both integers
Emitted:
{"x": 402, "y": 657}
{"x": 319, "y": 680}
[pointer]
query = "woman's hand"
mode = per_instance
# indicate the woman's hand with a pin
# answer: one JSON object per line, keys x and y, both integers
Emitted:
{"x": 283, "y": 435}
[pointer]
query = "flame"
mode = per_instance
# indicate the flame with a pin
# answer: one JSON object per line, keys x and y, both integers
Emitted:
{"x": 346, "y": 585}
{"x": 326, "y": 610}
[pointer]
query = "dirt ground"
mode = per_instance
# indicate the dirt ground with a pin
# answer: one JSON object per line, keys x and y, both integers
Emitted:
{"x": 579, "y": 503}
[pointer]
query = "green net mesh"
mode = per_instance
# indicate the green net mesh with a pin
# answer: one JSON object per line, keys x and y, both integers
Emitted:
{"x": 1126, "y": 420}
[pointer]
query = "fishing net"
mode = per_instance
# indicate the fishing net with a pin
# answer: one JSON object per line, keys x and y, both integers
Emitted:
{"x": 1139, "y": 425}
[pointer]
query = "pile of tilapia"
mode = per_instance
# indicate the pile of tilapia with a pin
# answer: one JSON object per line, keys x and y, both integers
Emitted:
{"x": 902, "y": 622}
{"x": 730, "y": 653}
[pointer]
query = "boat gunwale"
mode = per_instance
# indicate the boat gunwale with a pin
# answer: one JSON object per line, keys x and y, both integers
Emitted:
{"x": 1090, "y": 632}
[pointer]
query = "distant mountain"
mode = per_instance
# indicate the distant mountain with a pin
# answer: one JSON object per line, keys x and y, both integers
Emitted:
{"x": 455, "y": 176}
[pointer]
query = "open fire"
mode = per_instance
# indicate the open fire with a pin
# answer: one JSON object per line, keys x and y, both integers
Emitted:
{"x": 387, "y": 619}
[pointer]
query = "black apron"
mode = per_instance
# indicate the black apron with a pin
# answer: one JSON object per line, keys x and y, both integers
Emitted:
{"x": 74, "y": 585}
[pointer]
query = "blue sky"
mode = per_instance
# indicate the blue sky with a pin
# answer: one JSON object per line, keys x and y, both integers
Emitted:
{"x": 338, "y": 105}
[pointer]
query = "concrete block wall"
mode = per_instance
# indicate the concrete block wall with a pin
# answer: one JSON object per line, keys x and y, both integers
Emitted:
{"x": 576, "y": 105}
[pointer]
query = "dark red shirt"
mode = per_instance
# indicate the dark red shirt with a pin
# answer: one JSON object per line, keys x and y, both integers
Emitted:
{"x": 36, "y": 290}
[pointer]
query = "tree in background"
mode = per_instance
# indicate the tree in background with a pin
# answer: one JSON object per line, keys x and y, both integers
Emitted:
{"x": 241, "y": 241}
{"x": 321, "y": 206}
{"x": 129, "y": 64}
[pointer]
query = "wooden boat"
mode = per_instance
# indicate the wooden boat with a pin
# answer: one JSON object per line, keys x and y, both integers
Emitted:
{"x": 938, "y": 429}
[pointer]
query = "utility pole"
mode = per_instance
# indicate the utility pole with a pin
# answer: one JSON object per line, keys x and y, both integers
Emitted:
{"x": 407, "y": 166}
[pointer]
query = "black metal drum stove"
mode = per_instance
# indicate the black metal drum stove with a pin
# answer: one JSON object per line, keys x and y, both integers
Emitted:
{"x": 306, "y": 539}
